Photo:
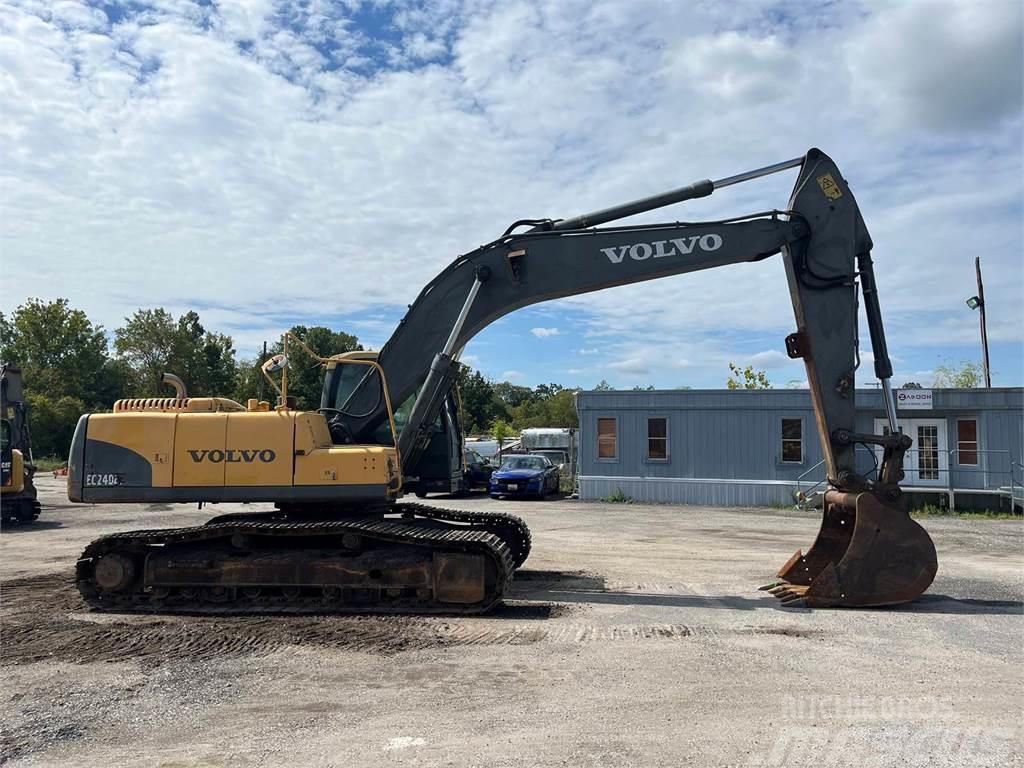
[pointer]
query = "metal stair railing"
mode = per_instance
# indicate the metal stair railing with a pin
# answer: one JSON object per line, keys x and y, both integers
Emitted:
{"x": 1013, "y": 492}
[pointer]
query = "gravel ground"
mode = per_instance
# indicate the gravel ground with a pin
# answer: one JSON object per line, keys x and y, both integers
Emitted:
{"x": 633, "y": 636}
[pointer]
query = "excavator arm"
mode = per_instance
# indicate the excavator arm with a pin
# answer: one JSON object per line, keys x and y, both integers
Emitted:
{"x": 542, "y": 265}
{"x": 821, "y": 237}
{"x": 826, "y": 250}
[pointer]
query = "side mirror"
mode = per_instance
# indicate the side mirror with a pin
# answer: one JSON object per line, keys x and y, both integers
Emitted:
{"x": 275, "y": 364}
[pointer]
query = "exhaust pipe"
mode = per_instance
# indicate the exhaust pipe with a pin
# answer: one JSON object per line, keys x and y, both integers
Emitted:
{"x": 175, "y": 381}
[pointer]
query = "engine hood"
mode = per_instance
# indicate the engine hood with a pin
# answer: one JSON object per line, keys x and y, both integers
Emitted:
{"x": 517, "y": 474}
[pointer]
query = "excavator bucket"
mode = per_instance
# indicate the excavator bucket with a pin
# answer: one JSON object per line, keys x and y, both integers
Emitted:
{"x": 867, "y": 554}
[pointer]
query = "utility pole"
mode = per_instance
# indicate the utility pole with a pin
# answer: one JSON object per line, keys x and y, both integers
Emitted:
{"x": 984, "y": 329}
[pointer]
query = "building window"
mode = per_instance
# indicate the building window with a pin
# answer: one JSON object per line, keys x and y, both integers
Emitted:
{"x": 967, "y": 442}
{"x": 792, "y": 441}
{"x": 606, "y": 438}
{"x": 657, "y": 439}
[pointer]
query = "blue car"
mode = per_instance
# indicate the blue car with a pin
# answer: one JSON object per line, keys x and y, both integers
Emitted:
{"x": 524, "y": 475}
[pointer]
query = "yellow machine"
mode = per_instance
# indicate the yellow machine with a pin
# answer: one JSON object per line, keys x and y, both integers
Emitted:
{"x": 214, "y": 449}
{"x": 336, "y": 541}
{"x": 18, "y": 497}
{"x": 12, "y": 480}
{"x": 340, "y": 537}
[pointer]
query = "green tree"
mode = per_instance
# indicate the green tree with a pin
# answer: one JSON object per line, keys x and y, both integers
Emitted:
{"x": 116, "y": 380}
{"x": 559, "y": 410}
{"x": 648, "y": 388}
{"x": 747, "y": 378}
{"x": 501, "y": 430}
{"x": 146, "y": 343}
{"x": 911, "y": 385}
{"x": 60, "y": 351}
{"x": 546, "y": 391}
{"x": 52, "y": 421}
{"x": 249, "y": 381}
{"x": 207, "y": 357}
{"x": 512, "y": 394}
{"x": 603, "y": 386}
{"x": 480, "y": 406}
{"x": 968, "y": 376}
{"x": 151, "y": 342}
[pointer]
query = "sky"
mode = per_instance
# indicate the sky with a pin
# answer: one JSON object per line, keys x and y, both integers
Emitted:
{"x": 274, "y": 163}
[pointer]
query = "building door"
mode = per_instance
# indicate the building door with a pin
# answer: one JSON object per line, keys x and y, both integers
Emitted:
{"x": 927, "y": 461}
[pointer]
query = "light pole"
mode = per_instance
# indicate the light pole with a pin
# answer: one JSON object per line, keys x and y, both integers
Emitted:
{"x": 978, "y": 302}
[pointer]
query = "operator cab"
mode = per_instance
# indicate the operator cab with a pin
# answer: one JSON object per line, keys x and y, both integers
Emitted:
{"x": 354, "y": 388}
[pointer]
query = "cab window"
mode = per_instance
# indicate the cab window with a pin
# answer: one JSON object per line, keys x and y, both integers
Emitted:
{"x": 347, "y": 378}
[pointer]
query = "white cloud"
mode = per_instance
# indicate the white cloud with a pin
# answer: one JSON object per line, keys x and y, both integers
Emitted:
{"x": 734, "y": 67}
{"x": 423, "y": 48}
{"x": 771, "y": 358}
{"x": 632, "y": 365}
{"x": 545, "y": 333}
{"x": 939, "y": 65}
{"x": 215, "y": 156}
{"x": 512, "y": 375}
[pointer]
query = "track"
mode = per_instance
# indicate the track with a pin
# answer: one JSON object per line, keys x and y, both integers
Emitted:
{"x": 509, "y": 528}
{"x": 418, "y": 559}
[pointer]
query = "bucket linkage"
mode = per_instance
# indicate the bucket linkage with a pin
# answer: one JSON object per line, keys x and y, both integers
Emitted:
{"x": 869, "y": 552}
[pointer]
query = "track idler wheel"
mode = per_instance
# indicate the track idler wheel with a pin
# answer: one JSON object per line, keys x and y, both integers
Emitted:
{"x": 114, "y": 573}
{"x": 867, "y": 554}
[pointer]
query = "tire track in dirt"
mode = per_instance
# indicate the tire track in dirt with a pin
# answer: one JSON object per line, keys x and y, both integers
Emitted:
{"x": 44, "y": 619}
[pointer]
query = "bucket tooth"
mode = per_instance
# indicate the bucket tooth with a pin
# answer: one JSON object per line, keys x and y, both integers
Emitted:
{"x": 794, "y": 592}
{"x": 866, "y": 554}
{"x": 797, "y": 556}
{"x": 769, "y": 585}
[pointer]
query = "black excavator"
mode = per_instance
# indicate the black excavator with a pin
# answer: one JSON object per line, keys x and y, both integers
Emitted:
{"x": 341, "y": 539}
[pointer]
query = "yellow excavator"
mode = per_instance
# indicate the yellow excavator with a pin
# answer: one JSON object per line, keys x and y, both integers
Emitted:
{"x": 340, "y": 536}
{"x": 19, "y": 501}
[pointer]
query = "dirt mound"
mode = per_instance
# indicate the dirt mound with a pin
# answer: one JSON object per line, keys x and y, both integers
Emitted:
{"x": 44, "y": 618}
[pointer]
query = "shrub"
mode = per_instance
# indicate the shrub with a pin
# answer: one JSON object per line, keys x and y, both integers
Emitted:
{"x": 618, "y": 497}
